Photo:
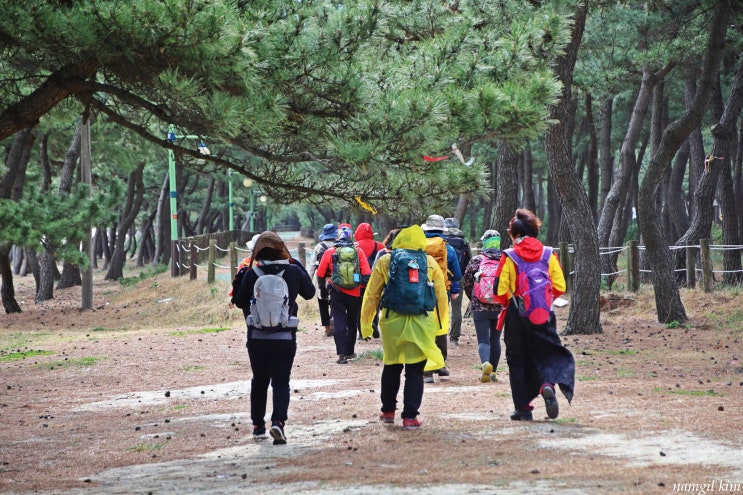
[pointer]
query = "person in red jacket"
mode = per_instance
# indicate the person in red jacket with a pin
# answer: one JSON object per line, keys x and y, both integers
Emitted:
{"x": 365, "y": 241}
{"x": 537, "y": 360}
{"x": 345, "y": 303}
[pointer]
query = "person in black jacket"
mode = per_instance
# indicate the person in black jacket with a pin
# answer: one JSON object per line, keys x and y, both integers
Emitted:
{"x": 272, "y": 352}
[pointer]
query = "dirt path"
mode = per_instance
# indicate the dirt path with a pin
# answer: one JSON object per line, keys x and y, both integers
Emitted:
{"x": 136, "y": 397}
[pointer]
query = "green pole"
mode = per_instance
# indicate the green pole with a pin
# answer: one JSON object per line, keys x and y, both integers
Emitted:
{"x": 252, "y": 210}
{"x": 173, "y": 208}
{"x": 231, "y": 204}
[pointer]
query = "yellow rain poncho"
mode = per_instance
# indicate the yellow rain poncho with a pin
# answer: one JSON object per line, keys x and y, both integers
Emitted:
{"x": 406, "y": 338}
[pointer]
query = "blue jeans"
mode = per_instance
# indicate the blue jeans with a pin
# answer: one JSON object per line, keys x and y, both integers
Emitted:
{"x": 271, "y": 362}
{"x": 488, "y": 338}
{"x": 412, "y": 394}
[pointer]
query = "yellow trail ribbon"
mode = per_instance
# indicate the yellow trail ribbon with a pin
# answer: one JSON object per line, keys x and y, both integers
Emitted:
{"x": 365, "y": 205}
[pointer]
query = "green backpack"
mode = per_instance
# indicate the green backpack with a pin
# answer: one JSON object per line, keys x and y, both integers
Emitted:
{"x": 346, "y": 270}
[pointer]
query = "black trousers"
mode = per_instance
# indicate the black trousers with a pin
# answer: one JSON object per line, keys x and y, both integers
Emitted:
{"x": 412, "y": 395}
{"x": 271, "y": 363}
{"x": 345, "y": 309}
{"x": 535, "y": 356}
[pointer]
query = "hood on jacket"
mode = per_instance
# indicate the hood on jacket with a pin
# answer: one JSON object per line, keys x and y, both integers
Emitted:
{"x": 364, "y": 231}
{"x": 411, "y": 237}
{"x": 269, "y": 239}
{"x": 529, "y": 248}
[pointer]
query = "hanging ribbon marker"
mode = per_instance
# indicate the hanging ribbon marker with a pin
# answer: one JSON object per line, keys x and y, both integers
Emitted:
{"x": 365, "y": 205}
{"x": 435, "y": 158}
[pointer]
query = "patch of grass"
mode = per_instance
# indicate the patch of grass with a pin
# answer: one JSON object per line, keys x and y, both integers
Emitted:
{"x": 144, "y": 274}
{"x": 193, "y": 368}
{"x": 583, "y": 363}
{"x": 693, "y": 393}
{"x": 18, "y": 355}
{"x": 376, "y": 354}
{"x": 565, "y": 421}
{"x": 67, "y": 363}
{"x": 625, "y": 373}
{"x": 102, "y": 329}
{"x": 146, "y": 447}
{"x": 622, "y": 352}
{"x": 587, "y": 378}
{"x": 183, "y": 333}
{"x": 178, "y": 408}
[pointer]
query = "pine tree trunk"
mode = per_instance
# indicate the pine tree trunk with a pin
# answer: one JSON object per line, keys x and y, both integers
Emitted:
{"x": 134, "y": 198}
{"x": 667, "y": 299}
{"x": 507, "y": 189}
{"x": 607, "y": 152}
{"x": 47, "y": 273}
{"x": 528, "y": 185}
{"x": 584, "y": 315}
{"x": 7, "y": 290}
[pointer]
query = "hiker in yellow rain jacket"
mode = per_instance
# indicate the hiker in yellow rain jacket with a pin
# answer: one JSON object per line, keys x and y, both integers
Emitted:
{"x": 408, "y": 341}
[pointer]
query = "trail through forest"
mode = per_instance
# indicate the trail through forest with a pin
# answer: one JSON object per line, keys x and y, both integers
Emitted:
{"x": 149, "y": 394}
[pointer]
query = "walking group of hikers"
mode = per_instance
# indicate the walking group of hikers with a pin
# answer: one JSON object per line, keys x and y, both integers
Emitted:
{"x": 400, "y": 290}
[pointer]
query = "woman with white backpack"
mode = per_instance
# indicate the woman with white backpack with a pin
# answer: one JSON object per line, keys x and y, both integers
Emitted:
{"x": 267, "y": 295}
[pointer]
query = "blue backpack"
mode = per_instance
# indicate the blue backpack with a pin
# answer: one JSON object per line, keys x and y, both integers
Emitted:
{"x": 408, "y": 291}
{"x": 533, "y": 295}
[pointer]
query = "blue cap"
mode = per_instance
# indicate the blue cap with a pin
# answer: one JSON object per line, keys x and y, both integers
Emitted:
{"x": 329, "y": 231}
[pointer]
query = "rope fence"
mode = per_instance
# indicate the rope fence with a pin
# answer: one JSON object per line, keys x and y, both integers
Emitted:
{"x": 192, "y": 257}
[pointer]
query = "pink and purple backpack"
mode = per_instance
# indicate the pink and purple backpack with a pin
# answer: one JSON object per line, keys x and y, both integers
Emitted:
{"x": 534, "y": 287}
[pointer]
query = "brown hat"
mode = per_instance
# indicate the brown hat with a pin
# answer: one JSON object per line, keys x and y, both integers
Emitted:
{"x": 269, "y": 239}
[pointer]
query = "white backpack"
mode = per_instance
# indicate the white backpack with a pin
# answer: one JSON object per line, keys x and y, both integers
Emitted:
{"x": 269, "y": 308}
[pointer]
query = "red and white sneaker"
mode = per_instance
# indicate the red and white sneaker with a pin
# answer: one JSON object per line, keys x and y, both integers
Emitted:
{"x": 411, "y": 423}
{"x": 387, "y": 417}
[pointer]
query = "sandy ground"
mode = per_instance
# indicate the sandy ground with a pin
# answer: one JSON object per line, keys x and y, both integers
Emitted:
{"x": 149, "y": 394}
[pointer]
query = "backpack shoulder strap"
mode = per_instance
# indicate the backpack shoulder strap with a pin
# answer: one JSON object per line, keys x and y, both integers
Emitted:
{"x": 258, "y": 271}
{"x": 546, "y": 253}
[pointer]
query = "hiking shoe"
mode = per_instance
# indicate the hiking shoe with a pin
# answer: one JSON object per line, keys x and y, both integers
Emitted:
{"x": 442, "y": 372}
{"x": 375, "y": 333}
{"x": 487, "y": 370}
{"x": 550, "y": 401}
{"x": 342, "y": 359}
{"x": 493, "y": 378}
{"x": 521, "y": 415}
{"x": 328, "y": 331}
{"x": 350, "y": 356}
{"x": 277, "y": 433}
{"x": 411, "y": 423}
{"x": 259, "y": 431}
{"x": 387, "y": 417}
{"x": 454, "y": 342}
{"x": 428, "y": 379}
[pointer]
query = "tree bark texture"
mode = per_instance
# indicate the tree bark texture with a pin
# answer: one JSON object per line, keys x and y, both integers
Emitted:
{"x": 506, "y": 191}
{"x": 134, "y": 198}
{"x": 607, "y": 153}
{"x": 667, "y": 298}
{"x": 584, "y": 317}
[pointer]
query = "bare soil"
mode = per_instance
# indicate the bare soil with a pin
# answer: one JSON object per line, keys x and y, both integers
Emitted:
{"x": 149, "y": 393}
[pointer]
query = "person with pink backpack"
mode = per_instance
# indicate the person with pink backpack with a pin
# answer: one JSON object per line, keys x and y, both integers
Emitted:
{"x": 478, "y": 283}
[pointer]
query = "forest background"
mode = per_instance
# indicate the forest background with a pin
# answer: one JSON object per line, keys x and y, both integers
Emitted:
{"x": 158, "y": 120}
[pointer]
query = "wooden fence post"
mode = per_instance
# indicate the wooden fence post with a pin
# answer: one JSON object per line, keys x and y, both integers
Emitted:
{"x": 194, "y": 256}
{"x": 301, "y": 253}
{"x": 233, "y": 260}
{"x": 211, "y": 261}
{"x": 691, "y": 262}
{"x": 706, "y": 265}
{"x": 633, "y": 266}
